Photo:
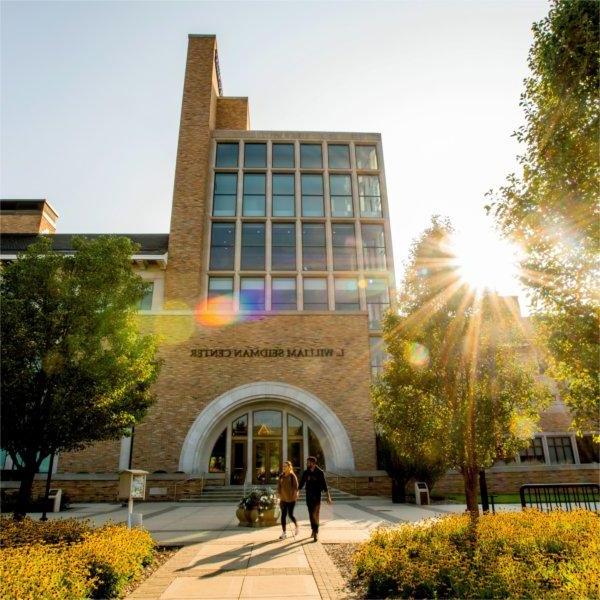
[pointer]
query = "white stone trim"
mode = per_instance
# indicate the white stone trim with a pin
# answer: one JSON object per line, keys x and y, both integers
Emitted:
{"x": 335, "y": 443}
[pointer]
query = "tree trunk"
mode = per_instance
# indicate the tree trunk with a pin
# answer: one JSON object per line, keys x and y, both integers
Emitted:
{"x": 24, "y": 496}
{"x": 470, "y": 478}
{"x": 398, "y": 490}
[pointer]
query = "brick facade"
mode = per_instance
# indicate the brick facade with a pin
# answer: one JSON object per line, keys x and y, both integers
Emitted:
{"x": 232, "y": 113}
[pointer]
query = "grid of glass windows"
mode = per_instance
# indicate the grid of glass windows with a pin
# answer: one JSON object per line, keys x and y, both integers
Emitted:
{"x": 366, "y": 157}
{"x": 315, "y": 294}
{"x": 220, "y": 294}
{"x": 283, "y": 243}
{"x": 378, "y": 356}
{"x": 254, "y": 195}
{"x": 255, "y": 155}
{"x": 338, "y": 156}
{"x": 253, "y": 247}
{"x": 378, "y": 301}
{"x": 227, "y": 155}
{"x": 312, "y": 195}
{"x": 340, "y": 192}
{"x": 283, "y": 293}
{"x": 222, "y": 246}
{"x": 343, "y": 246}
{"x": 534, "y": 452}
{"x": 560, "y": 449}
{"x": 346, "y": 294}
{"x": 283, "y": 195}
{"x": 373, "y": 243}
{"x": 252, "y": 293}
{"x": 283, "y": 156}
{"x": 146, "y": 301}
{"x": 225, "y": 194}
{"x": 369, "y": 195}
{"x": 314, "y": 254}
{"x": 311, "y": 156}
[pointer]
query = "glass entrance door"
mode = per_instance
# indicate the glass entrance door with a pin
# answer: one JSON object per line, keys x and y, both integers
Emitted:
{"x": 267, "y": 461}
{"x": 238, "y": 462}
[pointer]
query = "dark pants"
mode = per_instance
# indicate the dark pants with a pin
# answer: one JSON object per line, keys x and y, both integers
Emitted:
{"x": 287, "y": 509}
{"x": 314, "y": 508}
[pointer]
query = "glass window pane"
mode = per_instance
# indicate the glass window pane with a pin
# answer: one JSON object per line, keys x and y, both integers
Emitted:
{"x": 227, "y": 155}
{"x": 312, "y": 195}
{"x": 314, "y": 257}
{"x": 222, "y": 246}
{"x": 312, "y": 185}
{"x": 560, "y": 449}
{"x": 346, "y": 294}
{"x": 146, "y": 302}
{"x": 339, "y": 156}
{"x": 239, "y": 426}
{"x": 315, "y": 294}
{"x": 252, "y": 293}
{"x": 284, "y": 206}
{"x": 340, "y": 191}
{"x": 534, "y": 452}
{"x": 344, "y": 247}
{"x": 283, "y": 156}
{"x": 314, "y": 449}
{"x": 339, "y": 185}
{"x": 253, "y": 247}
{"x": 310, "y": 156}
{"x": 378, "y": 356}
{"x": 254, "y": 195}
{"x": 267, "y": 423}
{"x": 255, "y": 155}
{"x": 378, "y": 301}
{"x": 283, "y": 195}
{"x": 225, "y": 194}
{"x": 283, "y": 183}
{"x": 369, "y": 195}
{"x": 366, "y": 157}
{"x": 283, "y": 294}
{"x": 589, "y": 451}
{"x": 373, "y": 241}
{"x": 283, "y": 242}
{"x": 220, "y": 294}
{"x": 294, "y": 426}
{"x": 217, "y": 457}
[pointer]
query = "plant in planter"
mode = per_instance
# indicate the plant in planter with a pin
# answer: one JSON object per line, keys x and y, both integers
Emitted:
{"x": 258, "y": 508}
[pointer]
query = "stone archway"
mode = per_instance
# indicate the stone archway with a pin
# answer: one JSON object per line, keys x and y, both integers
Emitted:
{"x": 200, "y": 437}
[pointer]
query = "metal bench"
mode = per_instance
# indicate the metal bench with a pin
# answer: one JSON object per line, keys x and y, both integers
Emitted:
{"x": 564, "y": 496}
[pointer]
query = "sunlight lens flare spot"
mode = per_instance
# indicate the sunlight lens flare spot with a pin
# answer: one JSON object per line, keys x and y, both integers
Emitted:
{"x": 523, "y": 427}
{"x": 416, "y": 354}
{"x": 173, "y": 329}
{"x": 218, "y": 312}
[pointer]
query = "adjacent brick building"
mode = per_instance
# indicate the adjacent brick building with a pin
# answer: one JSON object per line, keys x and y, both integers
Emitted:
{"x": 267, "y": 294}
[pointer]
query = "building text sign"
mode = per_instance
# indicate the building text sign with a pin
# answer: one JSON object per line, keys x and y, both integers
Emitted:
{"x": 266, "y": 352}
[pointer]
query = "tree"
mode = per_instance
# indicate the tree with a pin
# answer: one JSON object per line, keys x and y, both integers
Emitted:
{"x": 551, "y": 208}
{"x": 457, "y": 385}
{"x": 75, "y": 370}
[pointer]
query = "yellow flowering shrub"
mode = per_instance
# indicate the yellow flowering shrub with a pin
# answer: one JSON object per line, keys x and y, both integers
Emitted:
{"x": 97, "y": 565}
{"x": 526, "y": 554}
{"x": 29, "y": 531}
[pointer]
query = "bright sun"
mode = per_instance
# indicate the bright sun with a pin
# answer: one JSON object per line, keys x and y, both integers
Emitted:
{"x": 486, "y": 262}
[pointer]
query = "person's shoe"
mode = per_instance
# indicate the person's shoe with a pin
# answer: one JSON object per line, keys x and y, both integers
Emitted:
{"x": 315, "y": 536}
{"x": 283, "y": 536}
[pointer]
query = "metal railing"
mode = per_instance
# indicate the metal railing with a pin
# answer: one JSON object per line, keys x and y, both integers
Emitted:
{"x": 565, "y": 496}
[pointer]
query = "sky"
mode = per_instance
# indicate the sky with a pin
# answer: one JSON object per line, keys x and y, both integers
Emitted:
{"x": 91, "y": 99}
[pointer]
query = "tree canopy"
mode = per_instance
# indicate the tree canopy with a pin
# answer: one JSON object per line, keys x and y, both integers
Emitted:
{"x": 75, "y": 369}
{"x": 551, "y": 207}
{"x": 460, "y": 384}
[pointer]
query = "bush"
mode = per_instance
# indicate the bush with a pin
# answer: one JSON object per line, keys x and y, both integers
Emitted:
{"x": 83, "y": 564}
{"x": 27, "y": 531}
{"x": 510, "y": 555}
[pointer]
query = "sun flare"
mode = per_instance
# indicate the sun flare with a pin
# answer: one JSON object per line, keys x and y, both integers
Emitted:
{"x": 486, "y": 262}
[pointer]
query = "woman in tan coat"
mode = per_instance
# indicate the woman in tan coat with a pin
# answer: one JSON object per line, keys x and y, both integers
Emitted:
{"x": 287, "y": 490}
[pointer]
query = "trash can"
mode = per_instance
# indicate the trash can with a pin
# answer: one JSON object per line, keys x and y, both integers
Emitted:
{"x": 54, "y": 496}
{"x": 421, "y": 493}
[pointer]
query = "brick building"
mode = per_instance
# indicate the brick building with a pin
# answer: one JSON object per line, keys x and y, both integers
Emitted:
{"x": 267, "y": 294}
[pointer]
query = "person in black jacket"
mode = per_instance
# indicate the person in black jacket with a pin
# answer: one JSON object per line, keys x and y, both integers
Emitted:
{"x": 314, "y": 480}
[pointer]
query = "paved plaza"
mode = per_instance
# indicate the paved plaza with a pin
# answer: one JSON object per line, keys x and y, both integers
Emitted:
{"x": 219, "y": 559}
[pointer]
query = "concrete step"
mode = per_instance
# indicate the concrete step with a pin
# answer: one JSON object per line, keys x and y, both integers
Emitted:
{"x": 235, "y": 493}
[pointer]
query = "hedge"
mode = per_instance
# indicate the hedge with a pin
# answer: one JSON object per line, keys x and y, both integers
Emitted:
{"x": 526, "y": 554}
{"x": 84, "y": 564}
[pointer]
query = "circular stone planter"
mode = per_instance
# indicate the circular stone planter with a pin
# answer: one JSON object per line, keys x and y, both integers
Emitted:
{"x": 255, "y": 518}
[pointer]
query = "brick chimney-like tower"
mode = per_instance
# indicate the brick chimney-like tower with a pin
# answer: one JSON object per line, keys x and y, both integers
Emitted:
{"x": 203, "y": 110}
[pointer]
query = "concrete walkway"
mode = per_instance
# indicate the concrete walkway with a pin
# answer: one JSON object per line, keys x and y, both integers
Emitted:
{"x": 222, "y": 560}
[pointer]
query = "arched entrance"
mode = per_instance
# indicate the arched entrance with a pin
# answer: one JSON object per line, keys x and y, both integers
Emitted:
{"x": 249, "y": 431}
